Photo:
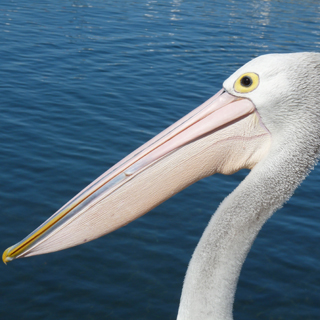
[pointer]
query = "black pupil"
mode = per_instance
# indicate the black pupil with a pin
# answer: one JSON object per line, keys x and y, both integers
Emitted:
{"x": 246, "y": 81}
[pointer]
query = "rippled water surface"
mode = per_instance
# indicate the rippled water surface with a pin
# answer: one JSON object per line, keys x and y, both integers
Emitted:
{"x": 83, "y": 83}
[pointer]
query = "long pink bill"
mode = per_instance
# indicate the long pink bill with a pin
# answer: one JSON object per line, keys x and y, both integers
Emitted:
{"x": 149, "y": 175}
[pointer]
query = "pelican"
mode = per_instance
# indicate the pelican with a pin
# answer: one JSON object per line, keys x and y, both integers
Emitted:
{"x": 266, "y": 118}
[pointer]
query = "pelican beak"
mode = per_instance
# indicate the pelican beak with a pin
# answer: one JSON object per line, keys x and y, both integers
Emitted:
{"x": 223, "y": 135}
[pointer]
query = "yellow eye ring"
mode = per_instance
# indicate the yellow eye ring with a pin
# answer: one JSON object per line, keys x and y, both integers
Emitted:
{"x": 247, "y": 82}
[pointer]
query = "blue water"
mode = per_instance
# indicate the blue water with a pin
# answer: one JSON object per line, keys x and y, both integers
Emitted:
{"x": 82, "y": 84}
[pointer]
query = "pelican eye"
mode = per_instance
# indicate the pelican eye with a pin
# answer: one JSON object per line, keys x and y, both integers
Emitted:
{"x": 247, "y": 82}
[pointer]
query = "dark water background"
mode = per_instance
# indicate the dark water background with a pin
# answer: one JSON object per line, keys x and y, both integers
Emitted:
{"x": 83, "y": 83}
